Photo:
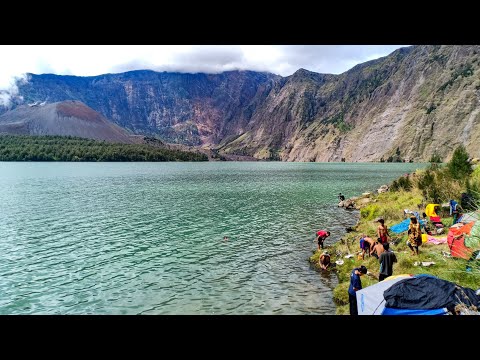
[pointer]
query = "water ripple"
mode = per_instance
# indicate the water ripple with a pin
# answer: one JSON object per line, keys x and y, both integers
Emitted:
{"x": 147, "y": 238}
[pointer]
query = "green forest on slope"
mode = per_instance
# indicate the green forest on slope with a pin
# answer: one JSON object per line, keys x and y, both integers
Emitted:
{"x": 67, "y": 148}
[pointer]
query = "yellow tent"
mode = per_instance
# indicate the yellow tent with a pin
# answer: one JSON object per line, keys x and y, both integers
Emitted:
{"x": 430, "y": 210}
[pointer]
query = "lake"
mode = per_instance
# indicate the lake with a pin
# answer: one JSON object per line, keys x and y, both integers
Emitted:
{"x": 148, "y": 238}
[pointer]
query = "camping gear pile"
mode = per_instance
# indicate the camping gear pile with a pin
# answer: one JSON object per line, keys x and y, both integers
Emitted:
{"x": 417, "y": 295}
{"x": 464, "y": 237}
{"x": 436, "y": 222}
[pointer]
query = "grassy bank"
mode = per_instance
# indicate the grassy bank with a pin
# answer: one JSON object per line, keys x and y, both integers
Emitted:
{"x": 390, "y": 206}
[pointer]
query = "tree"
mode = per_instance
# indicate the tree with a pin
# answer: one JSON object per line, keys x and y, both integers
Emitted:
{"x": 459, "y": 166}
{"x": 430, "y": 187}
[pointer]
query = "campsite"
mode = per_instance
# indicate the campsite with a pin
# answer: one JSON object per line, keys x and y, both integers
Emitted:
{"x": 449, "y": 252}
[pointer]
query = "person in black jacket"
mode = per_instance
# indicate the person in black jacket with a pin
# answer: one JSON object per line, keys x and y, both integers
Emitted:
{"x": 386, "y": 259}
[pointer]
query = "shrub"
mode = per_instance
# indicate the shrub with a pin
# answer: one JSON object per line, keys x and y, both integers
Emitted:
{"x": 459, "y": 166}
{"x": 402, "y": 183}
{"x": 471, "y": 198}
{"x": 430, "y": 186}
{"x": 431, "y": 108}
{"x": 369, "y": 212}
{"x": 394, "y": 186}
{"x": 435, "y": 159}
{"x": 405, "y": 183}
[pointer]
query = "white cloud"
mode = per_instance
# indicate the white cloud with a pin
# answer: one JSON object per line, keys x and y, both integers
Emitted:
{"x": 11, "y": 89}
{"x": 87, "y": 60}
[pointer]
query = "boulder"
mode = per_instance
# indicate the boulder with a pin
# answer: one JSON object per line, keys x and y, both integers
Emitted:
{"x": 382, "y": 189}
{"x": 347, "y": 204}
{"x": 363, "y": 201}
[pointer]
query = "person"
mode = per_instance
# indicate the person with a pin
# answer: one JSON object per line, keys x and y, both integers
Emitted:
{"x": 386, "y": 259}
{"x": 341, "y": 197}
{"x": 377, "y": 249}
{"x": 366, "y": 244}
{"x": 414, "y": 235}
{"x": 324, "y": 260}
{"x": 454, "y": 210}
{"x": 225, "y": 238}
{"x": 355, "y": 285}
{"x": 321, "y": 236}
{"x": 382, "y": 231}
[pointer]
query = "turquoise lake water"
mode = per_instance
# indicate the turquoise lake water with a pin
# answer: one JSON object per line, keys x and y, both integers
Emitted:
{"x": 147, "y": 238}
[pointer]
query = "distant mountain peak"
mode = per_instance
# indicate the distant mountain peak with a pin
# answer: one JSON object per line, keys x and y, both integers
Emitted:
{"x": 77, "y": 109}
{"x": 65, "y": 118}
{"x": 302, "y": 71}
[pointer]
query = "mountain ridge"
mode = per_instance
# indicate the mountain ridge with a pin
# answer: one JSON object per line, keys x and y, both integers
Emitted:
{"x": 416, "y": 101}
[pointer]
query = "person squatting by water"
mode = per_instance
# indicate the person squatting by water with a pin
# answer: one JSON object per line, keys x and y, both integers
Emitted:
{"x": 366, "y": 244}
{"x": 341, "y": 197}
{"x": 324, "y": 260}
{"x": 321, "y": 236}
{"x": 386, "y": 259}
{"x": 382, "y": 231}
{"x": 355, "y": 285}
{"x": 414, "y": 235}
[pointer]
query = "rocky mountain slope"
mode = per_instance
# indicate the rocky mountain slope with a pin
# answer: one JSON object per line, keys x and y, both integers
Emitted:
{"x": 416, "y": 101}
{"x": 191, "y": 109}
{"x": 62, "y": 118}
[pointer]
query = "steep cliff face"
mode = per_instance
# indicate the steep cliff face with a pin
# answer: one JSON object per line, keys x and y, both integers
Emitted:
{"x": 416, "y": 101}
{"x": 192, "y": 109}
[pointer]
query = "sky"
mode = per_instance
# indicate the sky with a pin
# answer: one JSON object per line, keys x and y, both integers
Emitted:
{"x": 88, "y": 60}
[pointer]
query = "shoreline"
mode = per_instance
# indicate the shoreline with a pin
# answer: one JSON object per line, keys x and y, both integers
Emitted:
{"x": 346, "y": 245}
{"x": 354, "y": 214}
{"x": 434, "y": 258}
{"x": 345, "y": 241}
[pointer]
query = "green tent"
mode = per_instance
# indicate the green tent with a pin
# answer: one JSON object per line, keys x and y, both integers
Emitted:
{"x": 472, "y": 240}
